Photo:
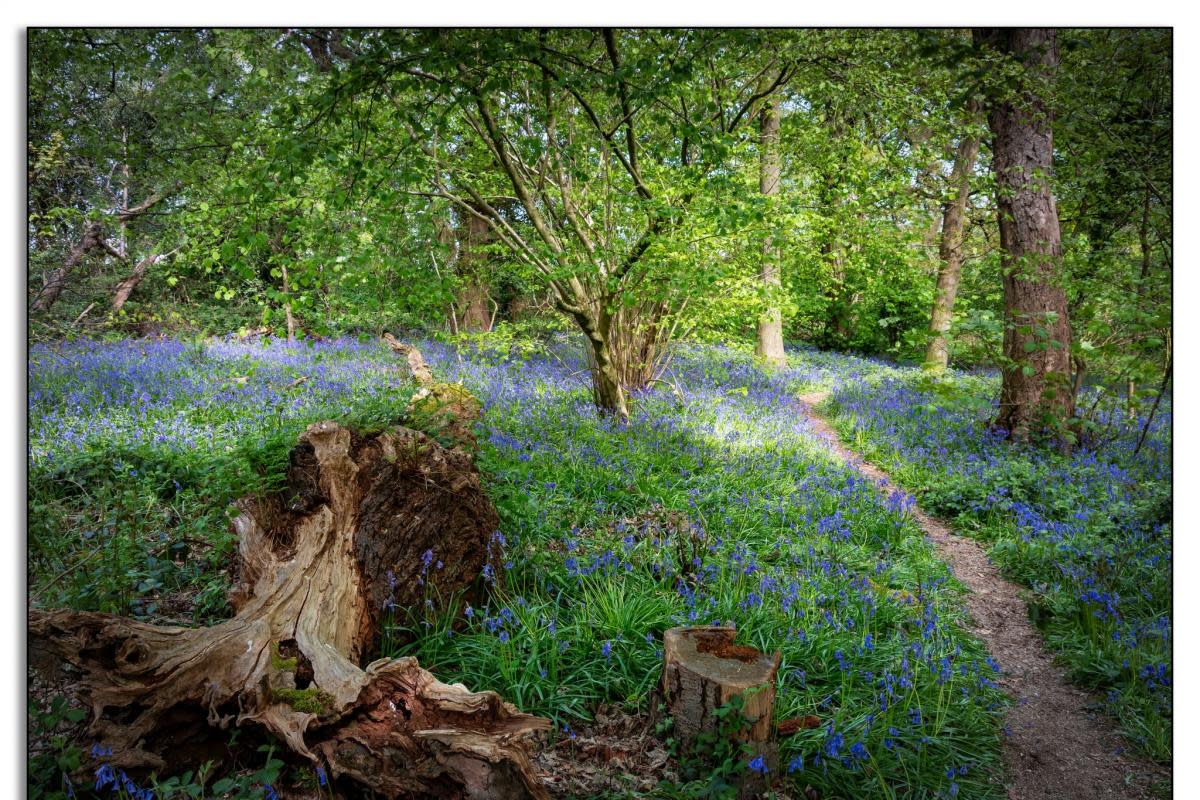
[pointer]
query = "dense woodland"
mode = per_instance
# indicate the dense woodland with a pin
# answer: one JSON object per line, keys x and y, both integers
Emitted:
{"x": 623, "y": 274}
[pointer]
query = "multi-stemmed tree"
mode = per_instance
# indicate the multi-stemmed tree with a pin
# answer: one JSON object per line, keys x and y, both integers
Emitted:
{"x": 606, "y": 142}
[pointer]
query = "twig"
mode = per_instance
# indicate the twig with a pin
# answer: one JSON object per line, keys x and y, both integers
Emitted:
{"x": 1150, "y": 418}
{"x": 84, "y": 314}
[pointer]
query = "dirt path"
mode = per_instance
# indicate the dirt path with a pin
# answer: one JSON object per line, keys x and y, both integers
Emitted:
{"x": 1057, "y": 748}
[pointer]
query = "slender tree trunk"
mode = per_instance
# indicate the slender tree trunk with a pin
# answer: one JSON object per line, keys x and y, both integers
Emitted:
{"x": 954, "y": 210}
{"x": 123, "y": 247}
{"x": 1144, "y": 242}
{"x": 287, "y": 304}
{"x": 1036, "y": 391}
{"x": 770, "y": 325}
{"x": 125, "y": 288}
{"x": 93, "y": 239}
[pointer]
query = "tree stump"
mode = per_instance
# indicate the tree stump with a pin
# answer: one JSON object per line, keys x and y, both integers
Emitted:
{"x": 703, "y": 669}
{"x": 363, "y": 522}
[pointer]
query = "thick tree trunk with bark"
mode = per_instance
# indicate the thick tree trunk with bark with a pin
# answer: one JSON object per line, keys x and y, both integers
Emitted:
{"x": 770, "y": 325}
{"x": 1036, "y": 391}
{"x": 475, "y": 296}
{"x": 363, "y": 523}
{"x": 607, "y": 391}
{"x": 937, "y": 355}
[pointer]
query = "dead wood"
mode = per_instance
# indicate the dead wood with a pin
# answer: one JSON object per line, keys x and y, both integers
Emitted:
{"x": 703, "y": 670}
{"x": 363, "y": 523}
{"x": 447, "y": 410}
{"x": 130, "y": 282}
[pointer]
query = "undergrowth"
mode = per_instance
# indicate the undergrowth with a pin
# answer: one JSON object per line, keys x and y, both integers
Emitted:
{"x": 1089, "y": 533}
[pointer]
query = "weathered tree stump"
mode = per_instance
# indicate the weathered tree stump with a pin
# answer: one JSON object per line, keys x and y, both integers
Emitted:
{"x": 446, "y": 410}
{"x": 703, "y": 670}
{"x": 363, "y": 522}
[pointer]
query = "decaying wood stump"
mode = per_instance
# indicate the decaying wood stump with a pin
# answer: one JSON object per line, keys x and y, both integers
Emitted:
{"x": 446, "y": 410}
{"x": 363, "y": 521}
{"x": 703, "y": 669}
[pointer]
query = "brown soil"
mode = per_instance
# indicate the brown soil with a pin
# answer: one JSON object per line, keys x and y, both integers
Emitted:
{"x": 1056, "y": 747}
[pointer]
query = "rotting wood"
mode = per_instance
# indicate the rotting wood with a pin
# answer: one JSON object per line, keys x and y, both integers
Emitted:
{"x": 703, "y": 669}
{"x": 363, "y": 523}
{"x": 446, "y": 410}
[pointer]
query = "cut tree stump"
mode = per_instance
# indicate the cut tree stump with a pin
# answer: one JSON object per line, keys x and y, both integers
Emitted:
{"x": 363, "y": 522}
{"x": 703, "y": 669}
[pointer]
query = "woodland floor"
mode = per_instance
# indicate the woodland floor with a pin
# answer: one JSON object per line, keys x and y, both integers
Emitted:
{"x": 1056, "y": 745}
{"x": 724, "y": 499}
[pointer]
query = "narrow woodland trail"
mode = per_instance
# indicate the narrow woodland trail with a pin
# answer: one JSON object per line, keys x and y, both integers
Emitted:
{"x": 1056, "y": 747}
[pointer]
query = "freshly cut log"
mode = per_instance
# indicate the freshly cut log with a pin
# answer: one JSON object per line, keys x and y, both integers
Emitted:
{"x": 703, "y": 669}
{"x": 363, "y": 522}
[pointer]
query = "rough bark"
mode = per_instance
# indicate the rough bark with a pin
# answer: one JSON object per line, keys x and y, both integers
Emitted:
{"x": 770, "y": 325}
{"x": 937, "y": 355}
{"x": 1036, "y": 388}
{"x": 475, "y": 296}
{"x": 363, "y": 523}
{"x": 703, "y": 669}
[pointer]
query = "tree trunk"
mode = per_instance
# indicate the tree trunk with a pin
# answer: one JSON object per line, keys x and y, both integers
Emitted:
{"x": 1131, "y": 401}
{"x": 125, "y": 287}
{"x": 363, "y": 524}
{"x": 607, "y": 391}
{"x": 937, "y": 355}
{"x": 475, "y": 296}
{"x": 703, "y": 670}
{"x": 1036, "y": 390}
{"x": 770, "y": 325}
{"x": 476, "y": 302}
{"x": 287, "y": 304}
{"x": 93, "y": 239}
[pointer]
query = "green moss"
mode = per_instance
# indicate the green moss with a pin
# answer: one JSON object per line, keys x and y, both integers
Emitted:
{"x": 314, "y": 701}
{"x": 281, "y": 664}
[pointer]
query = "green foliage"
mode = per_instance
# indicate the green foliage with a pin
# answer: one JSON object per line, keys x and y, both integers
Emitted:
{"x": 714, "y": 766}
{"x": 1088, "y": 532}
{"x": 59, "y": 754}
